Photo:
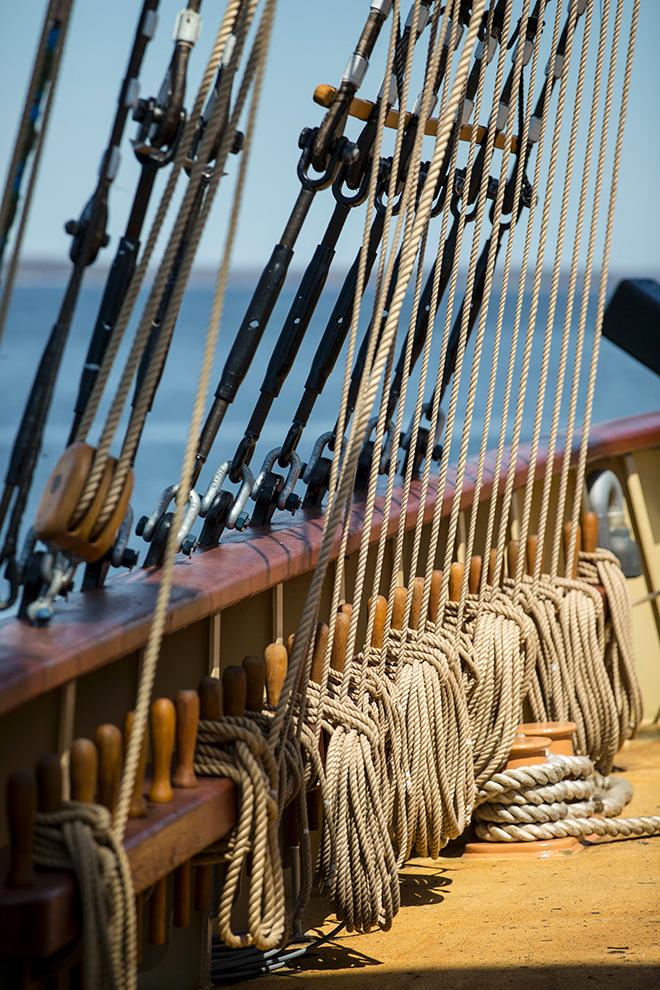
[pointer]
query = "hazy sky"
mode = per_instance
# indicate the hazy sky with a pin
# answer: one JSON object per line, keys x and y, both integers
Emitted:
{"x": 311, "y": 42}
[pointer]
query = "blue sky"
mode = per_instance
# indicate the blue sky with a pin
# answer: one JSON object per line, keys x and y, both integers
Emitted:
{"x": 311, "y": 42}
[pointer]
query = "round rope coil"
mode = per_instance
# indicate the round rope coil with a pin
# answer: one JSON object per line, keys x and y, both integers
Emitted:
{"x": 564, "y": 797}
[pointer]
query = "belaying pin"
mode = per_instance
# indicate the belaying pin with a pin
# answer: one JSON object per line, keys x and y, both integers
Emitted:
{"x": 54, "y": 522}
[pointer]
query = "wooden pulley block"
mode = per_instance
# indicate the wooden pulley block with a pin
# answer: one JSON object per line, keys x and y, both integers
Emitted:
{"x": 53, "y": 523}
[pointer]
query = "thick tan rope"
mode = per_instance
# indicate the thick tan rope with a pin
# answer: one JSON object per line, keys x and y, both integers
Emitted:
{"x": 607, "y": 242}
{"x": 165, "y": 267}
{"x": 603, "y": 569}
{"x": 79, "y": 837}
{"x": 560, "y": 798}
{"x": 151, "y": 653}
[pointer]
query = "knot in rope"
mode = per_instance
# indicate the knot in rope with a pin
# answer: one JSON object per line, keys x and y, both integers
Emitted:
{"x": 79, "y": 837}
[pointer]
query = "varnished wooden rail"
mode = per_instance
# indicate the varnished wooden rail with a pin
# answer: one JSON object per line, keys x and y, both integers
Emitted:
{"x": 94, "y": 629}
{"x": 40, "y": 920}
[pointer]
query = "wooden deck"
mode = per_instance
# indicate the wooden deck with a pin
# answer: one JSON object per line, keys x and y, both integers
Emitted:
{"x": 588, "y": 920}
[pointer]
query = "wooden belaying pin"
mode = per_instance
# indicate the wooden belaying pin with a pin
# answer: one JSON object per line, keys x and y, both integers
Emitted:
{"x": 108, "y": 744}
{"x": 138, "y": 805}
{"x": 255, "y": 672}
{"x": 49, "y": 783}
{"x": 416, "y": 605}
{"x": 276, "y": 663}
{"x": 318, "y": 653}
{"x": 380, "y": 617}
{"x": 531, "y": 552}
{"x": 162, "y": 719}
{"x": 158, "y": 913}
{"x": 21, "y": 809}
{"x": 572, "y": 565}
{"x": 290, "y": 643}
{"x": 181, "y": 906}
{"x": 399, "y": 607}
{"x": 346, "y": 608}
{"x": 492, "y": 564}
{"x": 210, "y": 709}
{"x": 474, "y": 577}
{"x": 434, "y": 597}
{"x": 456, "y": 574}
{"x": 589, "y": 532}
{"x": 210, "y": 698}
{"x": 512, "y": 551}
{"x": 234, "y": 691}
{"x": 83, "y": 770}
{"x": 186, "y": 705}
{"x": 340, "y": 642}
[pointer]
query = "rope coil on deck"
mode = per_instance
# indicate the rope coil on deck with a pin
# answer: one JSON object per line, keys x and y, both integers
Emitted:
{"x": 564, "y": 797}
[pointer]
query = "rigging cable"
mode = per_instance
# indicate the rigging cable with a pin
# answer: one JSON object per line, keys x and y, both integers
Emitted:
{"x": 30, "y": 140}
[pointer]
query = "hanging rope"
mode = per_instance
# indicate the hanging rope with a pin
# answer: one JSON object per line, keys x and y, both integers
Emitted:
{"x": 79, "y": 837}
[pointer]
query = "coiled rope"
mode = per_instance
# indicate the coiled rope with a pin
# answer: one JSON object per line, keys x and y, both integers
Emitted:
{"x": 80, "y": 837}
{"x": 564, "y": 797}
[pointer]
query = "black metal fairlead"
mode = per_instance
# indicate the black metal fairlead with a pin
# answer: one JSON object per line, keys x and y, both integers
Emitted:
{"x": 89, "y": 236}
{"x": 161, "y": 121}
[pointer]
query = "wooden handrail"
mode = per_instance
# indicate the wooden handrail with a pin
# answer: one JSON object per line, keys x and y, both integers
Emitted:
{"x": 98, "y": 627}
{"x": 39, "y": 921}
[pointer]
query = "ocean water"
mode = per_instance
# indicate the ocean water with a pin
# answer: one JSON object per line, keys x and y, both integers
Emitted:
{"x": 623, "y": 387}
